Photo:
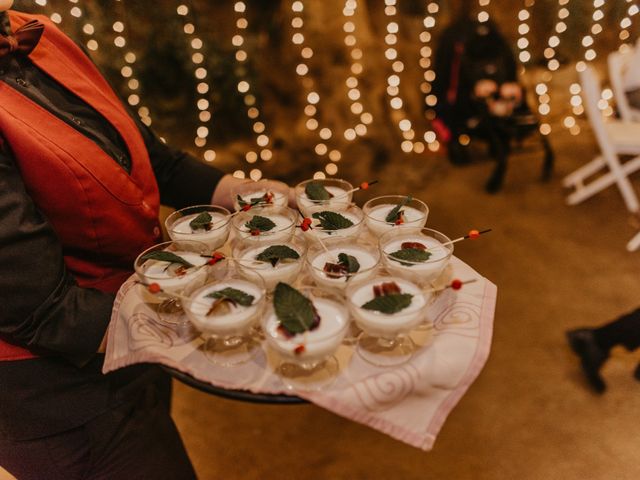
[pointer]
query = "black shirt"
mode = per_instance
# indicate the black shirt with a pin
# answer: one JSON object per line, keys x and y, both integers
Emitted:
{"x": 42, "y": 306}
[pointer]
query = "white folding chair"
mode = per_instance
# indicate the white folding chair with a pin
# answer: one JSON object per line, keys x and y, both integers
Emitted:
{"x": 615, "y": 138}
{"x": 618, "y": 62}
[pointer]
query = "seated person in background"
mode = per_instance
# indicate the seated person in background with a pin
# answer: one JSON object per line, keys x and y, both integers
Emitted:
{"x": 477, "y": 91}
{"x": 80, "y": 187}
{"x": 631, "y": 78}
{"x": 593, "y": 345}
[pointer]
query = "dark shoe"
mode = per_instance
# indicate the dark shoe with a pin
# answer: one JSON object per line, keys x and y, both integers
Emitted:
{"x": 583, "y": 343}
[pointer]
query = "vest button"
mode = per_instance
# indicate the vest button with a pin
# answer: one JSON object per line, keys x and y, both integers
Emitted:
{"x": 22, "y": 82}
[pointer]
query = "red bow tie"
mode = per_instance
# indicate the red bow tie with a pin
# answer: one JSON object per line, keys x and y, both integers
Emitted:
{"x": 24, "y": 40}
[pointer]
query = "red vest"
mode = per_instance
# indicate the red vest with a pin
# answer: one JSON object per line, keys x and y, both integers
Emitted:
{"x": 103, "y": 216}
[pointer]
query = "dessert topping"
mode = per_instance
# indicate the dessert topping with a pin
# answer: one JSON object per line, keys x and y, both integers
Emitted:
{"x": 259, "y": 224}
{"x": 203, "y": 221}
{"x": 265, "y": 199}
{"x": 397, "y": 214}
{"x": 388, "y": 298}
{"x": 164, "y": 256}
{"x": 332, "y": 220}
{"x": 317, "y": 191}
{"x": 295, "y": 312}
{"x": 226, "y": 297}
{"x": 276, "y": 253}
{"x": 346, "y": 264}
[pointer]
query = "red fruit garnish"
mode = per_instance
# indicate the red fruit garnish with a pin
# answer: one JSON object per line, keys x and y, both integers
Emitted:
{"x": 473, "y": 234}
{"x": 364, "y": 185}
{"x": 255, "y": 233}
{"x": 299, "y": 350}
{"x": 414, "y": 245}
{"x": 304, "y": 227}
{"x": 386, "y": 288}
{"x": 215, "y": 258}
{"x": 307, "y": 221}
{"x": 399, "y": 221}
{"x": 246, "y": 207}
{"x": 268, "y": 197}
{"x": 456, "y": 284}
{"x": 154, "y": 288}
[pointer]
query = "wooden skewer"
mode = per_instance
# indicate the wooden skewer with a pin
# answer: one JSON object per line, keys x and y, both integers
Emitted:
{"x": 473, "y": 234}
{"x": 454, "y": 285}
{"x": 363, "y": 186}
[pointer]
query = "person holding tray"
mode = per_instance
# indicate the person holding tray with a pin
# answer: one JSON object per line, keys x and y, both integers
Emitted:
{"x": 81, "y": 182}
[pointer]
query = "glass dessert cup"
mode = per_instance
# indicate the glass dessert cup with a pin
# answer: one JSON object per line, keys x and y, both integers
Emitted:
{"x": 228, "y": 321}
{"x": 175, "y": 279}
{"x": 341, "y": 192}
{"x": 352, "y": 213}
{"x": 307, "y": 360}
{"x": 385, "y": 339}
{"x": 262, "y": 192}
{"x": 401, "y": 254}
{"x": 284, "y": 219}
{"x": 415, "y": 213}
{"x": 286, "y": 270}
{"x": 323, "y": 262}
{"x": 183, "y": 225}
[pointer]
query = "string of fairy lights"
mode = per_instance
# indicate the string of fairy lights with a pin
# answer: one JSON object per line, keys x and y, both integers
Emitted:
{"x": 398, "y": 113}
{"x": 329, "y": 141}
{"x": 313, "y": 97}
{"x": 524, "y": 16}
{"x": 259, "y": 128}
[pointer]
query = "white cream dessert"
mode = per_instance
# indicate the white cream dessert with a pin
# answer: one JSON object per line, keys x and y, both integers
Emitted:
{"x": 386, "y": 325}
{"x": 329, "y": 278}
{"x": 428, "y": 270}
{"x": 315, "y": 345}
{"x": 263, "y": 196}
{"x": 174, "y": 277}
{"x": 376, "y": 218}
{"x": 233, "y": 320}
{"x": 285, "y": 270}
{"x": 214, "y": 236}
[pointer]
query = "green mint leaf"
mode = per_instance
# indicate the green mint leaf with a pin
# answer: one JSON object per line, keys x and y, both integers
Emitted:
{"x": 414, "y": 255}
{"x": 262, "y": 224}
{"x": 332, "y": 220}
{"x": 233, "y": 294}
{"x": 395, "y": 212}
{"x": 164, "y": 256}
{"x": 349, "y": 262}
{"x": 275, "y": 253}
{"x": 389, "y": 304}
{"x": 266, "y": 198}
{"x": 295, "y": 311}
{"x": 241, "y": 201}
{"x": 203, "y": 220}
{"x": 317, "y": 191}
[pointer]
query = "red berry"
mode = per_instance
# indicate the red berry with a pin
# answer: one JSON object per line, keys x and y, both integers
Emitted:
{"x": 299, "y": 350}
{"x": 473, "y": 234}
{"x": 306, "y": 221}
{"x": 399, "y": 221}
{"x": 364, "y": 185}
{"x": 255, "y": 233}
{"x": 304, "y": 227}
{"x": 246, "y": 207}
{"x": 154, "y": 288}
{"x": 456, "y": 284}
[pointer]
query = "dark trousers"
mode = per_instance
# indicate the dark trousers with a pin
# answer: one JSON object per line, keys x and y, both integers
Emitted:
{"x": 625, "y": 331}
{"x": 135, "y": 440}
